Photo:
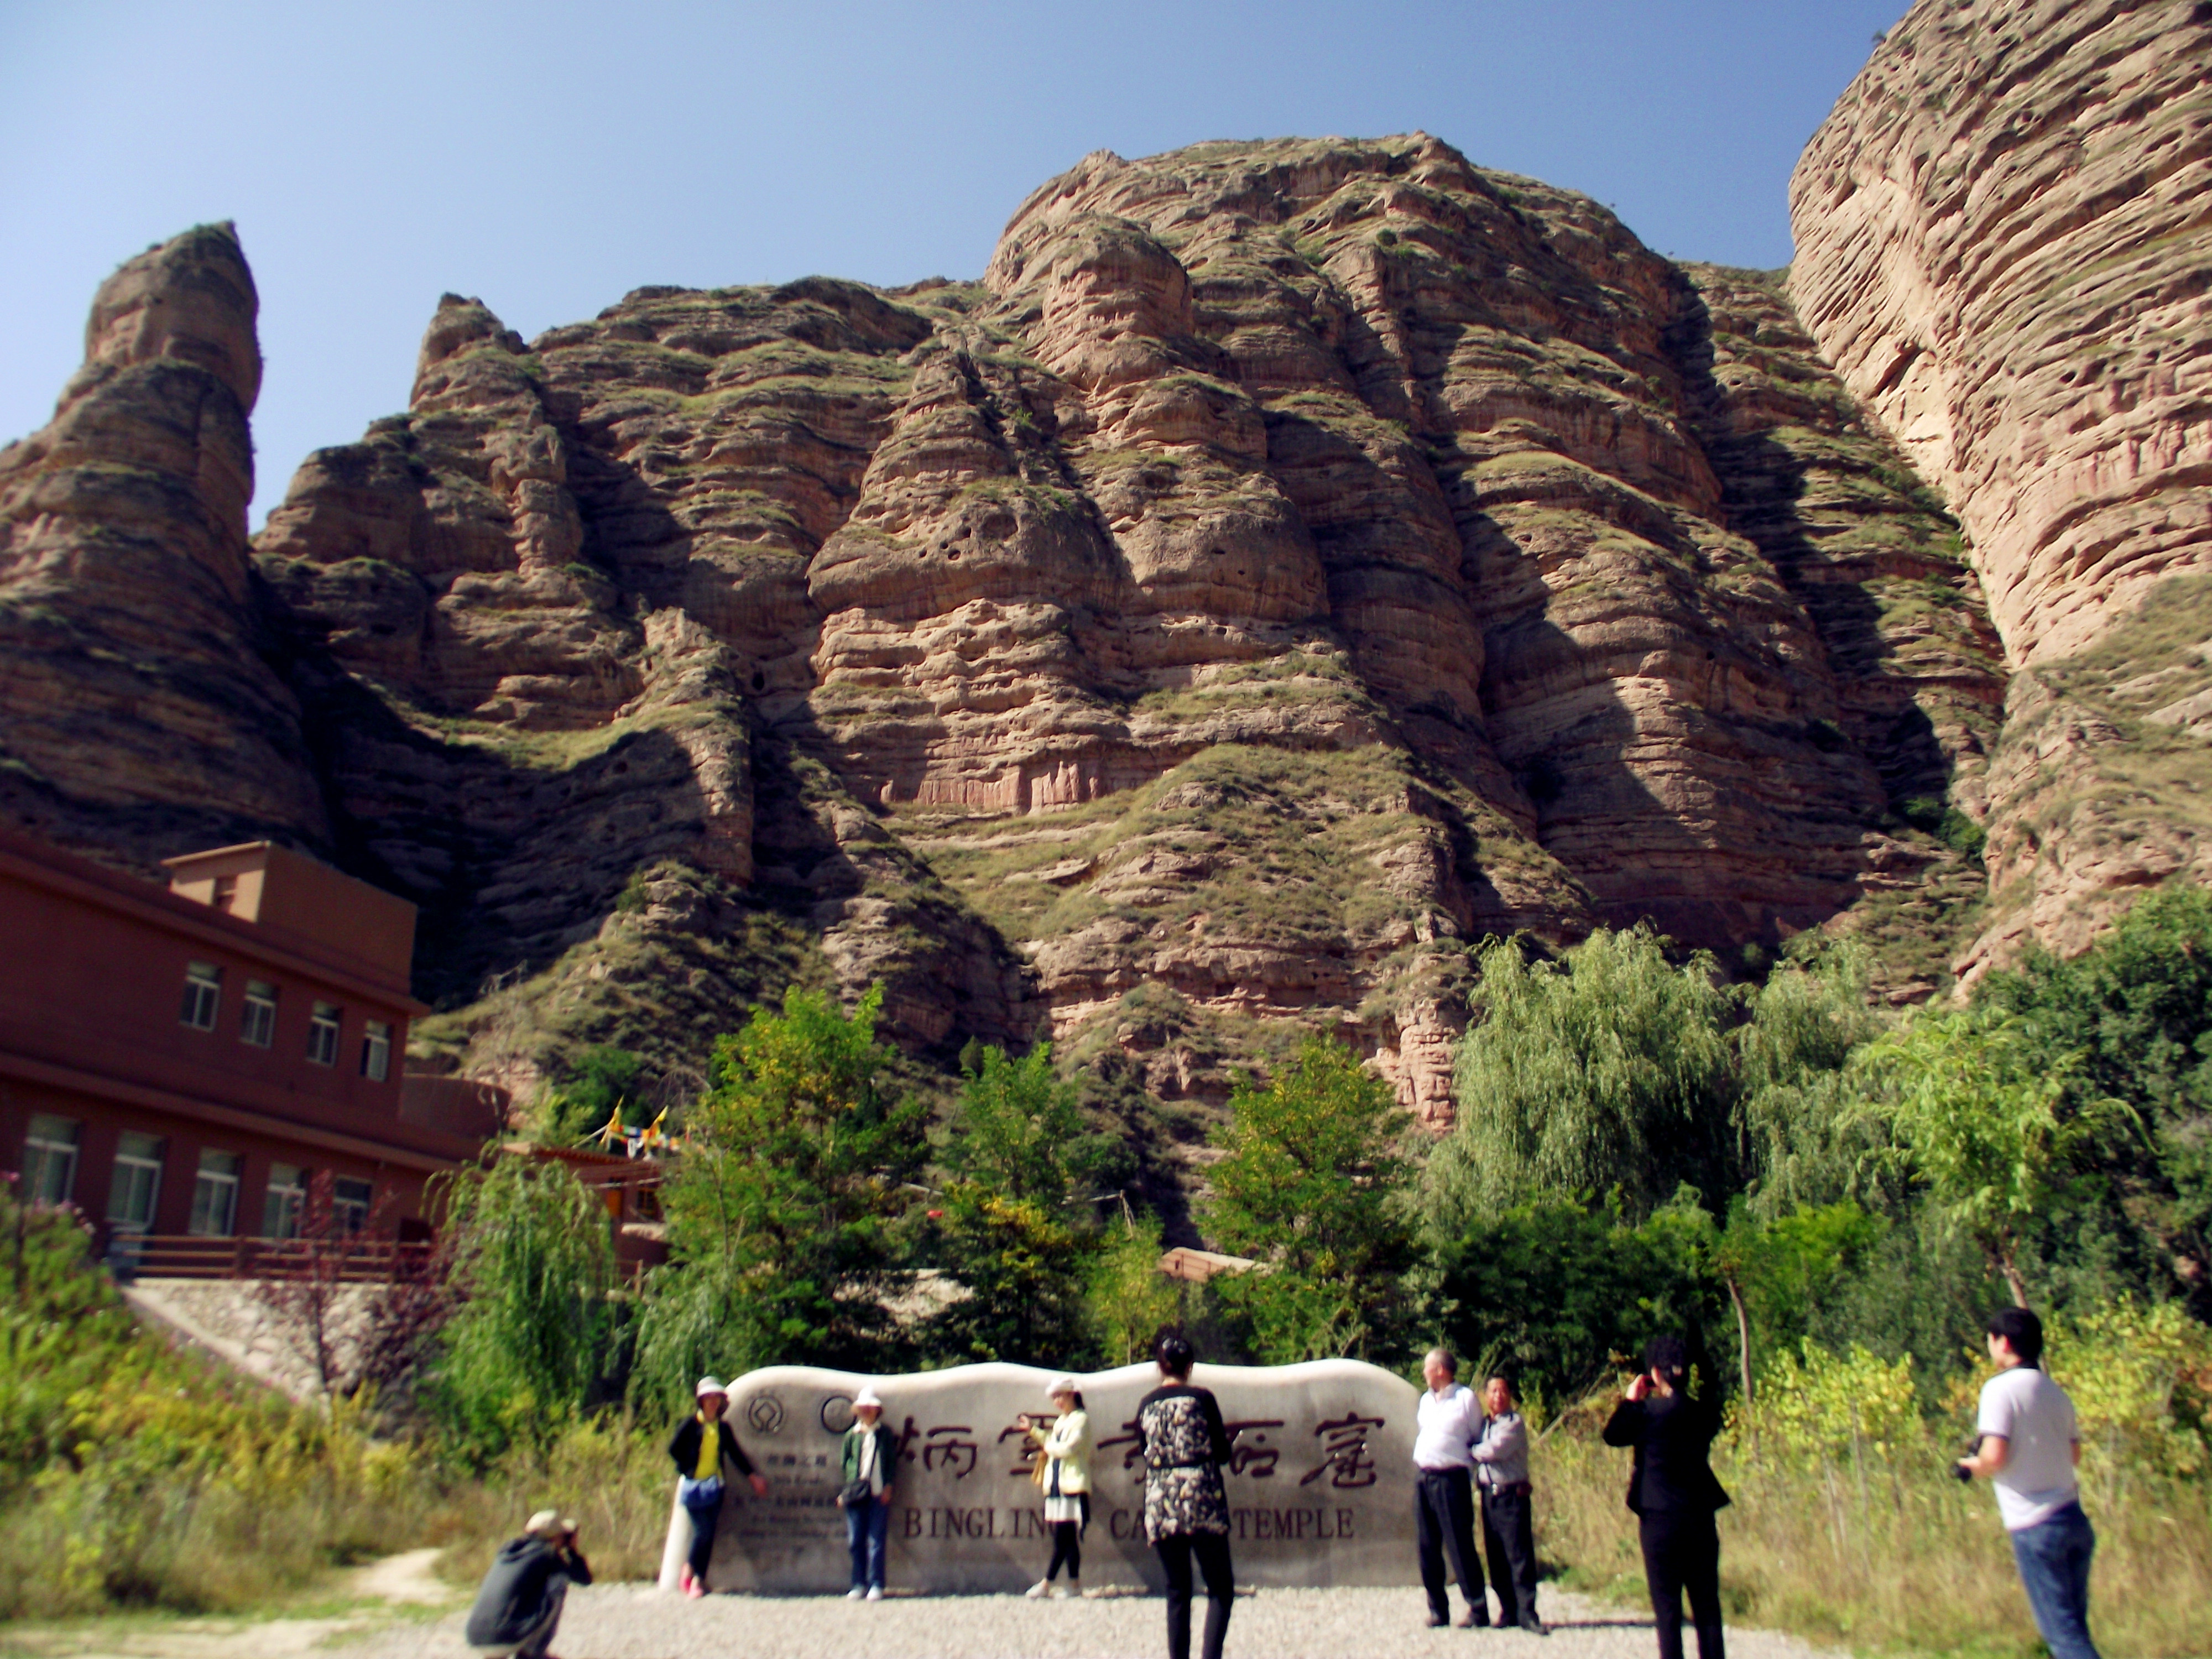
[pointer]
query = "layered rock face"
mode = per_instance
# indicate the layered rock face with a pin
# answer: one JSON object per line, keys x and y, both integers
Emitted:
{"x": 2004, "y": 246}
{"x": 1292, "y": 562}
{"x": 137, "y": 713}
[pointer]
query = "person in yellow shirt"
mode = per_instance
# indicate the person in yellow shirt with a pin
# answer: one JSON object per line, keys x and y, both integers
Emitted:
{"x": 1063, "y": 1443}
{"x": 702, "y": 1442}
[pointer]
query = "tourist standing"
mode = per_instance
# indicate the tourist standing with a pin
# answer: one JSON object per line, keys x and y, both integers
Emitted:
{"x": 2031, "y": 1444}
{"x": 868, "y": 1459}
{"x": 1185, "y": 1444}
{"x": 1509, "y": 1531}
{"x": 1674, "y": 1494}
{"x": 700, "y": 1446}
{"x": 1447, "y": 1424}
{"x": 518, "y": 1606}
{"x": 1064, "y": 1465}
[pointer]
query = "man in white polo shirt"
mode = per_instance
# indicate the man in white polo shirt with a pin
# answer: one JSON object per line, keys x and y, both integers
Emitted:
{"x": 2029, "y": 1447}
{"x": 1446, "y": 1424}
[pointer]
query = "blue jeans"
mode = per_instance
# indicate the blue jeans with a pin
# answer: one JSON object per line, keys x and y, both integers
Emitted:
{"x": 868, "y": 1529}
{"x": 2054, "y": 1558}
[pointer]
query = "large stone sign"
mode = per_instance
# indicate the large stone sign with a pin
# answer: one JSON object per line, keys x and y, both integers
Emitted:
{"x": 1320, "y": 1492}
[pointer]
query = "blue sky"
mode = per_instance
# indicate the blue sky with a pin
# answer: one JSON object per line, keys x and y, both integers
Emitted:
{"x": 550, "y": 157}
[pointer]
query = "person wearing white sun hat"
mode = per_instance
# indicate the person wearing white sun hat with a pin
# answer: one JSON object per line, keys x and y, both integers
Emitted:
{"x": 868, "y": 1459}
{"x": 701, "y": 1444}
{"x": 1063, "y": 1475}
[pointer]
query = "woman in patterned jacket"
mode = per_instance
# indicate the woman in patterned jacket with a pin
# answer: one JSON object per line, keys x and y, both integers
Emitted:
{"x": 1186, "y": 1510}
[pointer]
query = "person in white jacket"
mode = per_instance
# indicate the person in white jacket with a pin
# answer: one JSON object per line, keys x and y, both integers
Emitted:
{"x": 1063, "y": 1474}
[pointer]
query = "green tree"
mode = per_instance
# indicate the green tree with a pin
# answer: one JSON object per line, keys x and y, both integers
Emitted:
{"x": 1797, "y": 1146}
{"x": 1128, "y": 1301}
{"x": 529, "y": 1340}
{"x": 1608, "y": 1070}
{"x": 1777, "y": 1271}
{"x": 1310, "y": 1181}
{"x": 1018, "y": 1266}
{"x": 2135, "y": 1009}
{"x": 604, "y": 1081}
{"x": 1976, "y": 1110}
{"x": 779, "y": 1209}
{"x": 1008, "y": 1229}
{"x": 1561, "y": 1296}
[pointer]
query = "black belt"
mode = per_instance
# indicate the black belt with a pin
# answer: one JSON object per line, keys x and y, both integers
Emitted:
{"x": 1510, "y": 1488}
{"x": 1426, "y": 1471}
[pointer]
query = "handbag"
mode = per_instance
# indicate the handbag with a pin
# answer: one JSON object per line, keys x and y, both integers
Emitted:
{"x": 859, "y": 1491}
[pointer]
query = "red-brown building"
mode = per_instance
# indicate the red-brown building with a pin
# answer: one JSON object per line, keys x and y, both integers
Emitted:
{"x": 185, "y": 1061}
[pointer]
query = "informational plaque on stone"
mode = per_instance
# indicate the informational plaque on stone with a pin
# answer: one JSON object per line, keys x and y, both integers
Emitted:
{"x": 1320, "y": 1488}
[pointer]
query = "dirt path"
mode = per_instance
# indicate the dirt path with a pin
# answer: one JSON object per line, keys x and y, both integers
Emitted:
{"x": 362, "y": 1604}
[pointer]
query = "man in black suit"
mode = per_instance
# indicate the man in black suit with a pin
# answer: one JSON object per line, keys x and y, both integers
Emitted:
{"x": 1673, "y": 1493}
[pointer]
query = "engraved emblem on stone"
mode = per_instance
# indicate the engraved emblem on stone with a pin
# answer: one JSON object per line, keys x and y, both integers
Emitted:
{"x": 837, "y": 1413}
{"x": 764, "y": 1414}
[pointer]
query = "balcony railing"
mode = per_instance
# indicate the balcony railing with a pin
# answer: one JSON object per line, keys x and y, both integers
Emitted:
{"x": 352, "y": 1260}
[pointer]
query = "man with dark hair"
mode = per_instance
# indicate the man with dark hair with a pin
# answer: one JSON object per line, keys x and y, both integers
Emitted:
{"x": 1673, "y": 1493}
{"x": 1447, "y": 1422}
{"x": 2030, "y": 1445}
{"x": 1508, "y": 1534}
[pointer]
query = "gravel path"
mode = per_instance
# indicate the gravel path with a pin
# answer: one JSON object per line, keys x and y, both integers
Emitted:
{"x": 630, "y": 1621}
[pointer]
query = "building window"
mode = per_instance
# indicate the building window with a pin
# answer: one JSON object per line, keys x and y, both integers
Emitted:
{"x": 257, "y": 1025}
{"x": 286, "y": 1203}
{"x": 203, "y": 995}
{"x": 323, "y": 1034}
{"x": 350, "y": 1205}
{"x": 226, "y": 893}
{"x": 138, "y": 1184}
{"x": 375, "y": 1050}
{"x": 215, "y": 1195}
{"x": 49, "y": 1158}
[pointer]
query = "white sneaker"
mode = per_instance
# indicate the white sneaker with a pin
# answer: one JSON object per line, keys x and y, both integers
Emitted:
{"x": 876, "y": 1594}
{"x": 1040, "y": 1591}
{"x": 854, "y": 1594}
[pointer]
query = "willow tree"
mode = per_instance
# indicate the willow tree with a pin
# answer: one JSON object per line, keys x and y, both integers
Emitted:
{"x": 1798, "y": 1141}
{"x": 532, "y": 1335}
{"x": 1606, "y": 1074}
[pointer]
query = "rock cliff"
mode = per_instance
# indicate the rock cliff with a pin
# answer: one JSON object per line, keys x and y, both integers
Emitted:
{"x": 2004, "y": 246}
{"x": 1290, "y": 563}
{"x": 138, "y": 713}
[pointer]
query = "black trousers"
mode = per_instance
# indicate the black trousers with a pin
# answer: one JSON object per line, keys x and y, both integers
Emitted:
{"x": 1212, "y": 1549}
{"x": 1066, "y": 1550}
{"x": 1444, "y": 1522}
{"x": 706, "y": 1519}
{"x": 1509, "y": 1534}
{"x": 1683, "y": 1552}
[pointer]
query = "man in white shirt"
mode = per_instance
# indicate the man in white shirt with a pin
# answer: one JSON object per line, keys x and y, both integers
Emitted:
{"x": 1446, "y": 1424}
{"x": 2029, "y": 1447}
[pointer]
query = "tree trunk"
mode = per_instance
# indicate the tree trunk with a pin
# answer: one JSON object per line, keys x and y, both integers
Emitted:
{"x": 2005, "y": 1266}
{"x": 1742, "y": 1336}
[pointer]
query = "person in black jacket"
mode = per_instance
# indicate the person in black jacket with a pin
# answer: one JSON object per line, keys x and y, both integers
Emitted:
{"x": 1185, "y": 1445}
{"x": 1673, "y": 1493}
{"x": 518, "y": 1607}
{"x": 699, "y": 1462}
